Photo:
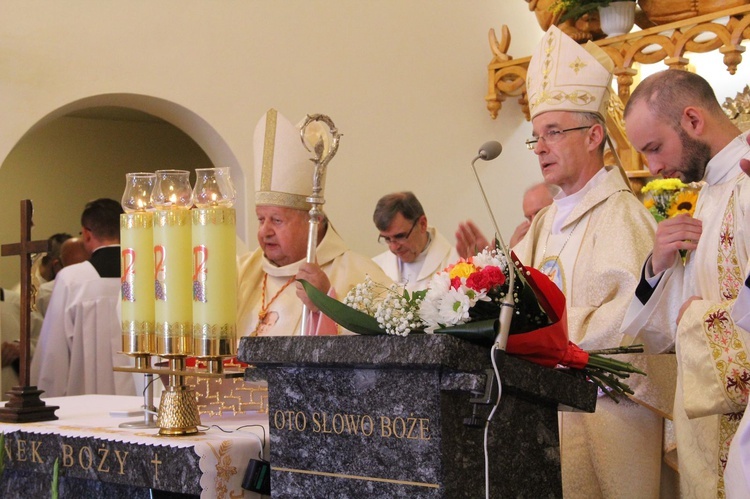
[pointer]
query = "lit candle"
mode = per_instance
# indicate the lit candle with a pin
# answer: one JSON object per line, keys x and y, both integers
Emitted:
{"x": 214, "y": 265}
{"x": 137, "y": 265}
{"x": 214, "y": 282}
{"x": 172, "y": 263}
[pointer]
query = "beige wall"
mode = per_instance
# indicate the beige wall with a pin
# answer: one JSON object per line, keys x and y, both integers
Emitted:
{"x": 404, "y": 82}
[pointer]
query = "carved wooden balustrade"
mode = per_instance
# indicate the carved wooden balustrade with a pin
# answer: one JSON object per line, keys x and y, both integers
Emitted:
{"x": 722, "y": 30}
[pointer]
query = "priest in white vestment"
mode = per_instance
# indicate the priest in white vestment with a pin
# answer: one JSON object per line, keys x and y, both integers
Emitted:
{"x": 270, "y": 300}
{"x": 591, "y": 242}
{"x": 674, "y": 119}
{"x": 416, "y": 251}
{"x": 83, "y": 312}
{"x": 71, "y": 251}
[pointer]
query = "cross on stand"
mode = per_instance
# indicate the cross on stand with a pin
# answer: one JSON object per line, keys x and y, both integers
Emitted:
{"x": 24, "y": 405}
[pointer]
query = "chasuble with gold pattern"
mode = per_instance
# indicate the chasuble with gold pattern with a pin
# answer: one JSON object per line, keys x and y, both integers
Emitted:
{"x": 712, "y": 354}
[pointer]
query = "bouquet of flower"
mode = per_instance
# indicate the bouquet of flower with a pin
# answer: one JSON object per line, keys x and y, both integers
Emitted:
{"x": 668, "y": 197}
{"x": 464, "y": 300}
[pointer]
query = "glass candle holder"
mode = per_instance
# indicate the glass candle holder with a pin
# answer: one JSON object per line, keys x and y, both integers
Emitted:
{"x": 139, "y": 189}
{"x": 213, "y": 187}
{"x": 173, "y": 314}
{"x": 172, "y": 189}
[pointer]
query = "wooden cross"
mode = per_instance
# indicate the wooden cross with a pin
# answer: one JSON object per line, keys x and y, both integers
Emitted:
{"x": 24, "y": 404}
{"x": 25, "y": 248}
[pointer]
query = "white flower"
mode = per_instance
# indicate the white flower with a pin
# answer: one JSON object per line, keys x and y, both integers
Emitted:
{"x": 444, "y": 307}
{"x": 490, "y": 258}
{"x": 395, "y": 313}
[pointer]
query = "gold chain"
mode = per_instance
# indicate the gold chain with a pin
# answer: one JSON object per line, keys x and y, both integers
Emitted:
{"x": 557, "y": 257}
{"x": 263, "y": 306}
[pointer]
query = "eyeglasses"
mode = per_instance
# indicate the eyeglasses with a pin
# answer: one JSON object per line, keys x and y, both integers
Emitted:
{"x": 552, "y": 136}
{"x": 398, "y": 238}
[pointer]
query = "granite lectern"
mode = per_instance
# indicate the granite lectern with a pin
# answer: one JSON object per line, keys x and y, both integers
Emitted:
{"x": 387, "y": 416}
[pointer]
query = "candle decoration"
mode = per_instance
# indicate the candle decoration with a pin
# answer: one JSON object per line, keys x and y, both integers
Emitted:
{"x": 172, "y": 263}
{"x": 214, "y": 267}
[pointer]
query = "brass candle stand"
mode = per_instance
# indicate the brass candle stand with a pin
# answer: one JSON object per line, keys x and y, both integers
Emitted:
{"x": 138, "y": 342}
{"x": 178, "y": 410}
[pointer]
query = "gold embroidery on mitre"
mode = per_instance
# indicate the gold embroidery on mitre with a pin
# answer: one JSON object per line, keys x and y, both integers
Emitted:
{"x": 562, "y": 75}
{"x": 577, "y": 65}
{"x": 269, "y": 145}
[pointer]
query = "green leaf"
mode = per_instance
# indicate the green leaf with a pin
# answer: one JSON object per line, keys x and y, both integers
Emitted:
{"x": 353, "y": 320}
{"x": 55, "y": 479}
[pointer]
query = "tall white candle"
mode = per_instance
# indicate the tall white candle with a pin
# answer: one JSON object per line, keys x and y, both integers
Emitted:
{"x": 172, "y": 278}
{"x": 137, "y": 284}
{"x": 214, "y": 281}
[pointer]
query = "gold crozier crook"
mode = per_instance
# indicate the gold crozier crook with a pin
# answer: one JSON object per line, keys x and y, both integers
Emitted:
{"x": 316, "y": 200}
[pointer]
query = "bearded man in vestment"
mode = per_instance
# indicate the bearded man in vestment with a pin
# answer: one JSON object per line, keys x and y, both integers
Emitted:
{"x": 270, "y": 299}
{"x": 685, "y": 304}
{"x": 591, "y": 241}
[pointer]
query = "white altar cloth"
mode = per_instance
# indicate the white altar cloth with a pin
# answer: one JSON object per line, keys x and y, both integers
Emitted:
{"x": 223, "y": 456}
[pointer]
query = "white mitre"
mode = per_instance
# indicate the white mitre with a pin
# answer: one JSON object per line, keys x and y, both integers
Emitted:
{"x": 283, "y": 166}
{"x": 566, "y": 76}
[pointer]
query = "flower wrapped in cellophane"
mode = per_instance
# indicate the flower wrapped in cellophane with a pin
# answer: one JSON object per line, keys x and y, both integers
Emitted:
{"x": 464, "y": 300}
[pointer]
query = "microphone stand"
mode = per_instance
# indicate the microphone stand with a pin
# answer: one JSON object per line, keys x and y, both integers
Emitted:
{"x": 321, "y": 160}
{"x": 507, "y": 305}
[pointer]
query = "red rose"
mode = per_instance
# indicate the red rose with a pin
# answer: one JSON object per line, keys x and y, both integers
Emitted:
{"x": 485, "y": 279}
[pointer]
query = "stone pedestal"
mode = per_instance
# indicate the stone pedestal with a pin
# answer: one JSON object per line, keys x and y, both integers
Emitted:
{"x": 383, "y": 416}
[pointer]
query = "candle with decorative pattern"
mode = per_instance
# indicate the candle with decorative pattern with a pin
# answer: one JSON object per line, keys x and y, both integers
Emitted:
{"x": 173, "y": 263}
{"x": 214, "y": 265}
{"x": 137, "y": 265}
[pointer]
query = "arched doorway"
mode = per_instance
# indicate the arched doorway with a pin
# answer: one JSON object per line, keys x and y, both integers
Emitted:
{"x": 82, "y": 151}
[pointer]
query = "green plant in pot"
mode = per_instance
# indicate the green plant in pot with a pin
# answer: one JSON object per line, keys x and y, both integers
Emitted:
{"x": 574, "y": 9}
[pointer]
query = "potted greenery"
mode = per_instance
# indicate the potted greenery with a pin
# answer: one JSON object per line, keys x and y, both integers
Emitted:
{"x": 615, "y": 17}
{"x": 573, "y": 9}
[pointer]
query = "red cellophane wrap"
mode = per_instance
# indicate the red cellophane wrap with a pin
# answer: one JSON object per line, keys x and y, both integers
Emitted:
{"x": 548, "y": 346}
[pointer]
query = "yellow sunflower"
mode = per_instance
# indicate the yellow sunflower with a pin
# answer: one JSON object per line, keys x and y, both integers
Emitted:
{"x": 683, "y": 202}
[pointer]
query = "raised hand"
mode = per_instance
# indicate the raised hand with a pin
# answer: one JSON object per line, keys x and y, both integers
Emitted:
{"x": 469, "y": 239}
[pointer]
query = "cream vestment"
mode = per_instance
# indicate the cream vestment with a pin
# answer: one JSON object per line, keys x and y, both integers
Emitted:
{"x": 344, "y": 268}
{"x": 712, "y": 355}
{"x": 439, "y": 254}
{"x": 596, "y": 259}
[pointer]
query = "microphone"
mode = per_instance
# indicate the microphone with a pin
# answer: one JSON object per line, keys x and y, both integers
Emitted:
{"x": 489, "y": 151}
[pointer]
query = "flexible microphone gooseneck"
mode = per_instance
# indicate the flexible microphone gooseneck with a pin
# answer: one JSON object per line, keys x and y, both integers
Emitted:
{"x": 489, "y": 151}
